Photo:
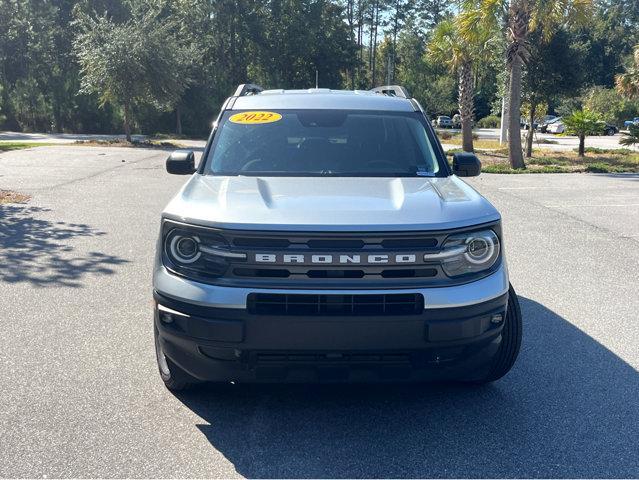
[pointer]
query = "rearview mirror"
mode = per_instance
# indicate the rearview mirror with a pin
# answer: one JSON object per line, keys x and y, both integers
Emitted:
{"x": 181, "y": 162}
{"x": 466, "y": 164}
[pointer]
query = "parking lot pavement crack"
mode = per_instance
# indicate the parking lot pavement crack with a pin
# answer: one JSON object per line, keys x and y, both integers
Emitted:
{"x": 556, "y": 209}
{"x": 97, "y": 174}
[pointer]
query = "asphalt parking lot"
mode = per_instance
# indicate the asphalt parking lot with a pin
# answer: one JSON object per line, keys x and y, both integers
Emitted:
{"x": 80, "y": 395}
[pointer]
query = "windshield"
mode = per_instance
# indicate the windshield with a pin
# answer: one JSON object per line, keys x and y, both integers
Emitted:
{"x": 323, "y": 142}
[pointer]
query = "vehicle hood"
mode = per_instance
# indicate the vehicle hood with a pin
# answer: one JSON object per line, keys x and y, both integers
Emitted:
{"x": 329, "y": 203}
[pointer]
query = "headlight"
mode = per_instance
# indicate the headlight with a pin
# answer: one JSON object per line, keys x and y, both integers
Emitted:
{"x": 467, "y": 253}
{"x": 184, "y": 248}
{"x": 196, "y": 252}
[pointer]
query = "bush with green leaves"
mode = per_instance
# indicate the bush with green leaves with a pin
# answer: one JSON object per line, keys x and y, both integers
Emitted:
{"x": 491, "y": 121}
{"x": 632, "y": 137}
{"x": 608, "y": 103}
{"x": 583, "y": 123}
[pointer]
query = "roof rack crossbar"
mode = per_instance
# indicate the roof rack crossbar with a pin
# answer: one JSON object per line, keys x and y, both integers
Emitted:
{"x": 247, "y": 89}
{"x": 392, "y": 91}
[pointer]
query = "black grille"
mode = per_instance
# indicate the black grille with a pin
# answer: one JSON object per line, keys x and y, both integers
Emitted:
{"x": 333, "y": 275}
{"x": 301, "y": 273}
{"x": 255, "y": 242}
{"x": 386, "y": 357}
{"x": 284, "y": 259}
{"x": 329, "y": 242}
{"x": 335, "y": 305}
{"x": 409, "y": 242}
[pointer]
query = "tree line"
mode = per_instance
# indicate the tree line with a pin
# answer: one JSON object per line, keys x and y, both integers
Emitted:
{"x": 101, "y": 66}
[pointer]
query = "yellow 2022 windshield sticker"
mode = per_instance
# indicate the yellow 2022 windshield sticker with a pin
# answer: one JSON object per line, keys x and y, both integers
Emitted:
{"x": 255, "y": 117}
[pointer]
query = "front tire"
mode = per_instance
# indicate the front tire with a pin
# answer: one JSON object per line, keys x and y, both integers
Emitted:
{"x": 510, "y": 341}
{"x": 174, "y": 378}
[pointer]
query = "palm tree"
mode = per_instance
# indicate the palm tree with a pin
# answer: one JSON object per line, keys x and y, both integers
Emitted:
{"x": 628, "y": 83}
{"x": 583, "y": 123}
{"x": 458, "y": 52}
{"x": 520, "y": 17}
{"x": 631, "y": 138}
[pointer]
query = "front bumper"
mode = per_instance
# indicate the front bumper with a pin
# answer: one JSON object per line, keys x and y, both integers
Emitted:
{"x": 209, "y": 333}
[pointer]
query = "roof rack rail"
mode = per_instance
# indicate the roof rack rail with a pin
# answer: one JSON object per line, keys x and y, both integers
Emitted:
{"x": 247, "y": 89}
{"x": 392, "y": 91}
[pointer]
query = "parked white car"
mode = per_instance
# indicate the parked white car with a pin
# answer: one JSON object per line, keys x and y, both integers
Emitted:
{"x": 556, "y": 127}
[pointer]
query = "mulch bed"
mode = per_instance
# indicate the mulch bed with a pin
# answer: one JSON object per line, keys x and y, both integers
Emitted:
{"x": 7, "y": 196}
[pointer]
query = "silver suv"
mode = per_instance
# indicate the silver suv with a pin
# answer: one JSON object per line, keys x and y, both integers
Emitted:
{"x": 323, "y": 236}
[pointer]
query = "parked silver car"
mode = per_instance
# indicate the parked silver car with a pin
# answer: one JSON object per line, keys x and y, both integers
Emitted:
{"x": 557, "y": 126}
{"x": 323, "y": 236}
{"x": 444, "y": 121}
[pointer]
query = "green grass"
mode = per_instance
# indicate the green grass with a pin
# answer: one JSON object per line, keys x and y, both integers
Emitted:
{"x": 612, "y": 151}
{"x": 8, "y": 146}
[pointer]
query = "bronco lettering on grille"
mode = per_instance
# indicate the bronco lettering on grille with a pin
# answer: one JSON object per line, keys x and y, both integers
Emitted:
{"x": 335, "y": 259}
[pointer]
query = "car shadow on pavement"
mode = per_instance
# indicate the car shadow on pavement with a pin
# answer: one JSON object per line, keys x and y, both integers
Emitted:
{"x": 568, "y": 409}
{"x": 38, "y": 251}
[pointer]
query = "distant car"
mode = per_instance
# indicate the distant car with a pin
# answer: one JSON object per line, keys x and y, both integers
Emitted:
{"x": 556, "y": 127}
{"x": 457, "y": 120}
{"x": 545, "y": 121}
{"x": 610, "y": 129}
{"x": 444, "y": 122}
{"x": 634, "y": 121}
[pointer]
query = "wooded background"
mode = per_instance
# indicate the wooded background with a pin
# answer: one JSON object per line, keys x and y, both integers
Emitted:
{"x": 182, "y": 58}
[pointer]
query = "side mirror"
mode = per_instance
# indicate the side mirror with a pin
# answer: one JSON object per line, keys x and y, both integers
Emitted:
{"x": 181, "y": 162}
{"x": 466, "y": 164}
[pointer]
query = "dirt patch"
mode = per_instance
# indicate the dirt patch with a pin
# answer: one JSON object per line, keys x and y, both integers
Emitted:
{"x": 135, "y": 144}
{"x": 7, "y": 196}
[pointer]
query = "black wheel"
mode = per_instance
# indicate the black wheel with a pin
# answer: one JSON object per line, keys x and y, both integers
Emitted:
{"x": 510, "y": 342}
{"x": 174, "y": 377}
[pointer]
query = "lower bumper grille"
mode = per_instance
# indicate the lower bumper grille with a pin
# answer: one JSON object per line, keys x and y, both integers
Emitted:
{"x": 335, "y": 305}
{"x": 334, "y": 357}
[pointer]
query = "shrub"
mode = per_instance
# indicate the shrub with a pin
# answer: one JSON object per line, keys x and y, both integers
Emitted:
{"x": 445, "y": 135}
{"x": 505, "y": 168}
{"x": 491, "y": 121}
{"x": 615, "y": 151}
{"x": 601, "y": 167}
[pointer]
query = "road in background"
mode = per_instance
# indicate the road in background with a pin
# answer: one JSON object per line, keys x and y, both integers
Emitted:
{"x": 562, "y": 142}
{"x": 81, "y": 396}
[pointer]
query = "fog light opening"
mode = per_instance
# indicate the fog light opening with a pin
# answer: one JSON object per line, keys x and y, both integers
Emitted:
{"x": 497, "y": 318}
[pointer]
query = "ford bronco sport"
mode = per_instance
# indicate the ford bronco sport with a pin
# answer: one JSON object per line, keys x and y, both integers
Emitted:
{"x": 323, "y": 236}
